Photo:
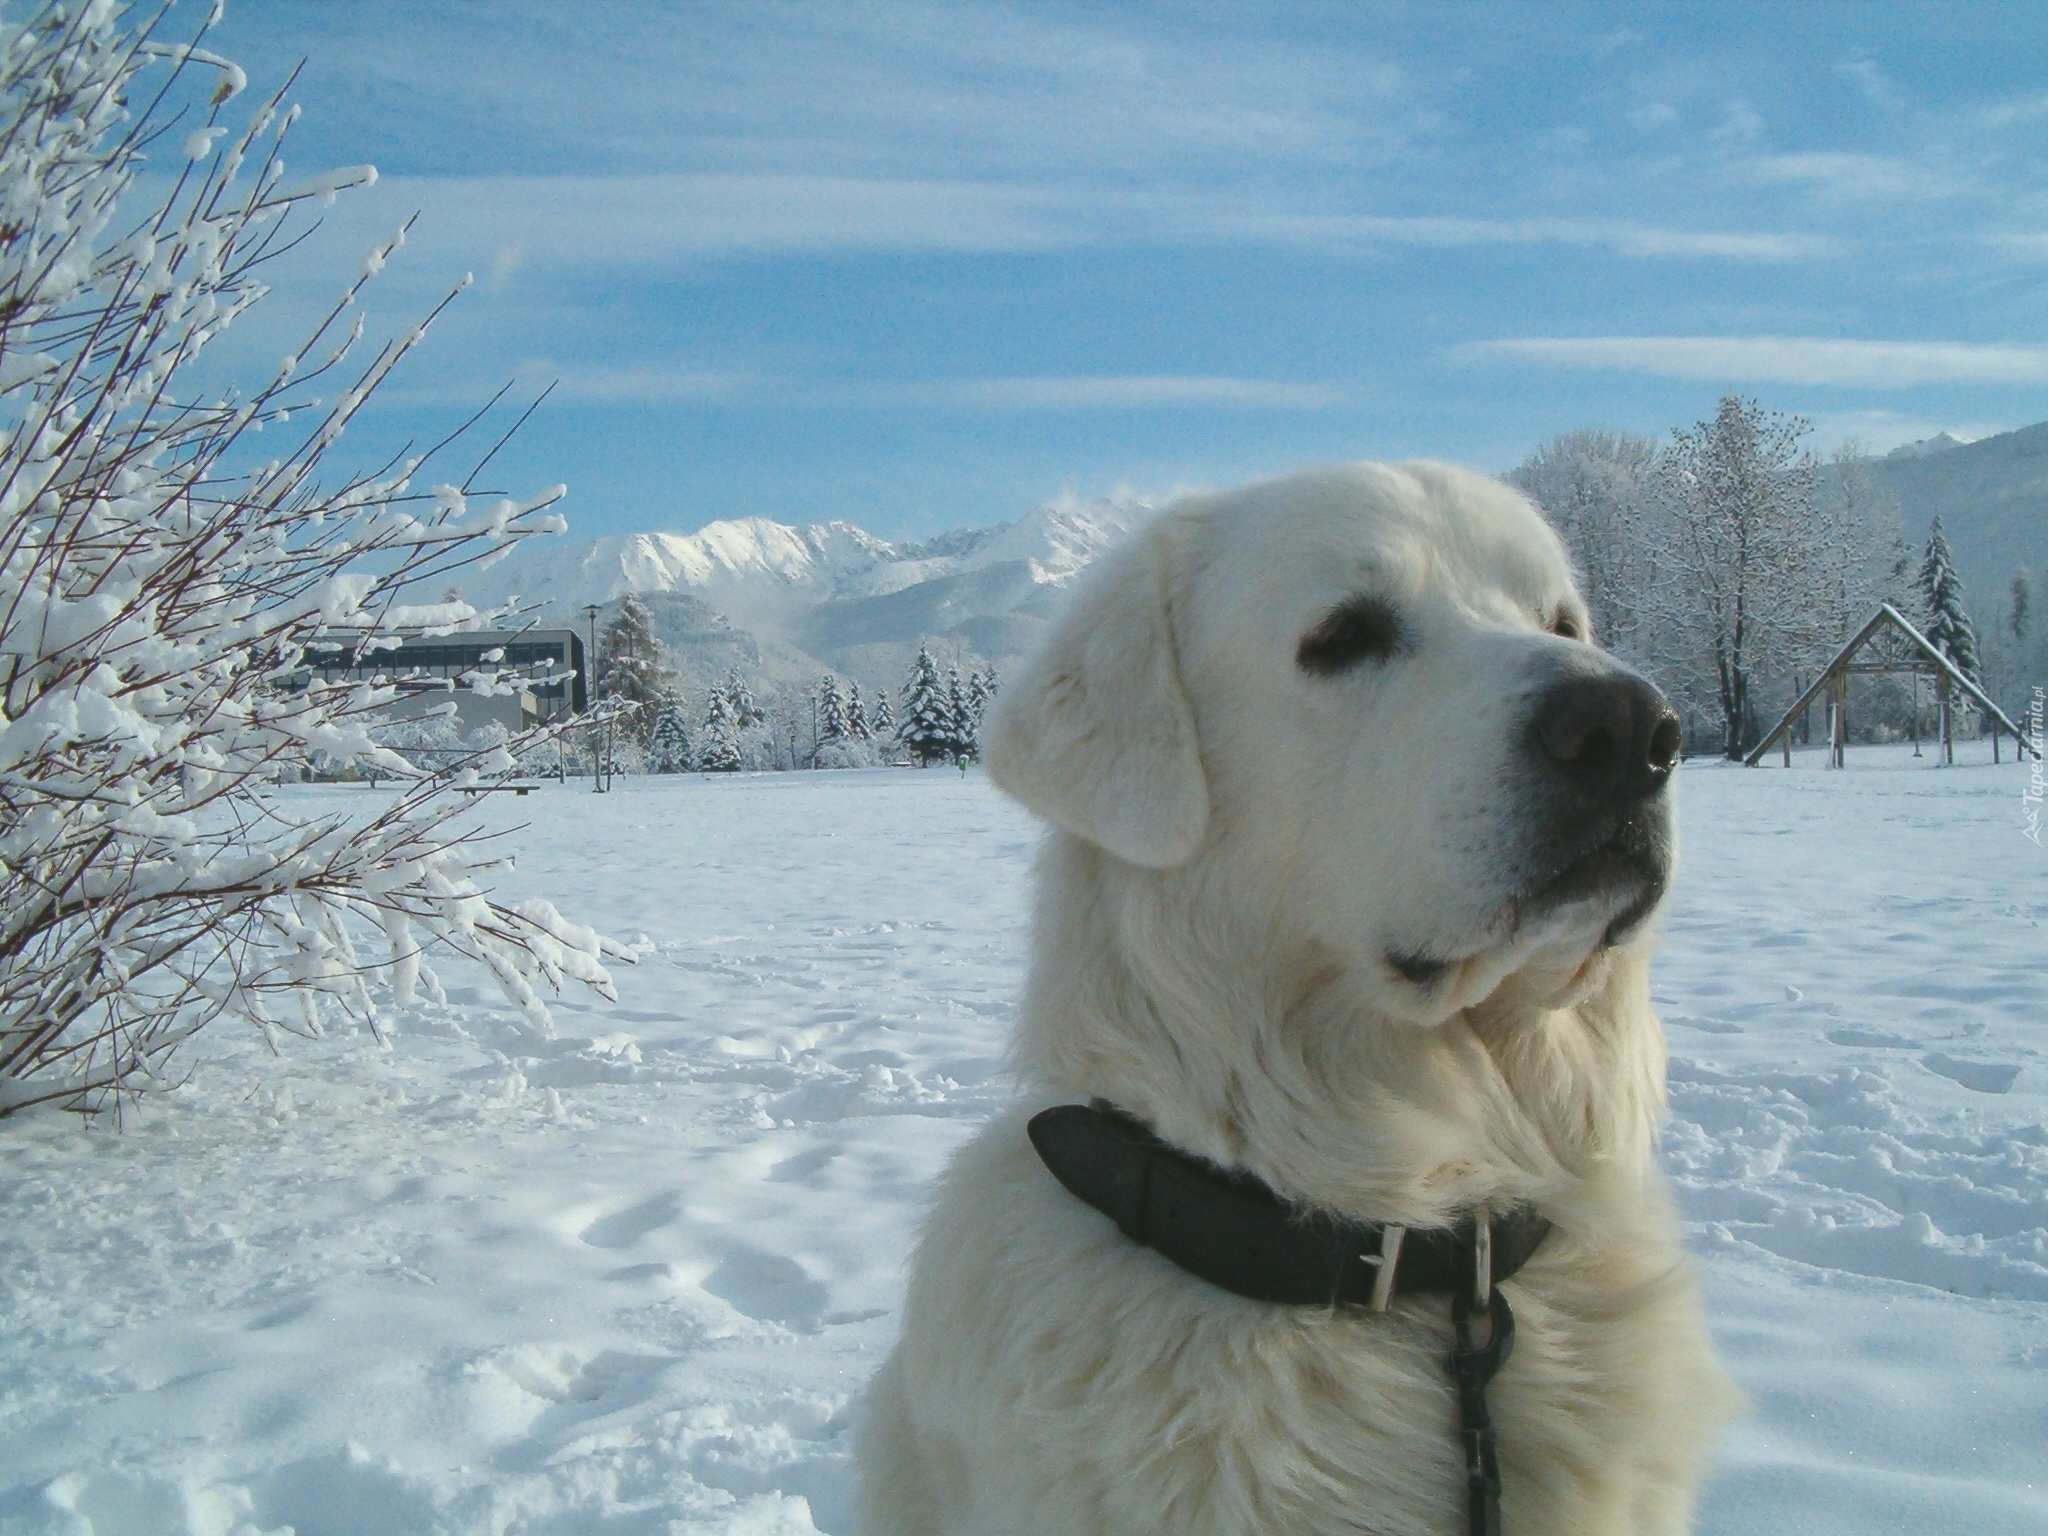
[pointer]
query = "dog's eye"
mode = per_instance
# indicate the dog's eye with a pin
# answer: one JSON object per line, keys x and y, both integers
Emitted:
{"x": 1364, "y": 629}
{"x": 1565, "y": 625}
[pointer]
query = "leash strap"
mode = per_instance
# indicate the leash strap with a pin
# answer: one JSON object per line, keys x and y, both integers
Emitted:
{"x": 1472, "y": 1367}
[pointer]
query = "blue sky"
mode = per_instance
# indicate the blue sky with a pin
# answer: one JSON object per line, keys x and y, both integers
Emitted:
{"x": 920, "y": 266}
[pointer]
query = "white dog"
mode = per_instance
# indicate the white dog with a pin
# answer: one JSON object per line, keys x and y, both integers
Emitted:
{"x": 1355, "y": 838}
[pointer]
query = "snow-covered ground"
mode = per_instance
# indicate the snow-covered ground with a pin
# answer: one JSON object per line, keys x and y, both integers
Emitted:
{"x": 630, "y": 1279}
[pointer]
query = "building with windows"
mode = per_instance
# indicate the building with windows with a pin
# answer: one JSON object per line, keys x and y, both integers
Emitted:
{"x": 433, "y": 669}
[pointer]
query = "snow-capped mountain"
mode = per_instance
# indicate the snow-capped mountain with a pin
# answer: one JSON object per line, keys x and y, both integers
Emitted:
{"x": 1992, "y": 498}
{"x": 788, "y": 601}
{"x": 1927, "y": 447}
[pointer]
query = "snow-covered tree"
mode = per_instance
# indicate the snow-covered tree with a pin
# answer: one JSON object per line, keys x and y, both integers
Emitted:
{"x": 882, "y": 718}
{"x": 1736, "y": 553}
{"x": 746, "y": 714}
{"x": 1861, "y": 555}
{"x": 668, "y": 744}
{"x": 718, "y": 750}
{"x": 960, "y": 718}
{"x": 1941, "y": 604}
{"x": 632, "y": 665}
{"x": 857, "y": 714}
{"x": 832, "y": 723}
{"x": 162, "y": 583}
{"x": 981, "y": 689}
{"x": 2020, "y": 606}
{"x": 1594, "y": 487}
{"x": 925, "y": 727}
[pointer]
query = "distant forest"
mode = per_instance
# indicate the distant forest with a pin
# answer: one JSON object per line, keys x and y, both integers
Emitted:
{"x": 1729, "y": 562}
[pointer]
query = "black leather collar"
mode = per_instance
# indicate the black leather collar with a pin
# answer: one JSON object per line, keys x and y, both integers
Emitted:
{"x": 1232, "y": 1230}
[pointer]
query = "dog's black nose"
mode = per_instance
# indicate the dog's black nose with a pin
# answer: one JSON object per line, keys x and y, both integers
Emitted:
{"x": 1610, "y": 737}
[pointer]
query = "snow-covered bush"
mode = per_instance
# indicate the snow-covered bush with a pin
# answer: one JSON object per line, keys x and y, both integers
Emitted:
{"x": 160, "y": 584}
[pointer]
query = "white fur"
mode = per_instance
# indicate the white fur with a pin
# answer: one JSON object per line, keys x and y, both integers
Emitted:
{"x": 1237, "y": 849}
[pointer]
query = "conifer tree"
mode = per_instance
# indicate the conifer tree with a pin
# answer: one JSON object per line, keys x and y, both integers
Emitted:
{"x": 633, "y": 666}
{"x": 1941, "y": 594}
{"x": 882, "y": 722}
{"x": 668, "y": 744}
{"x": 980, "y": 689}
{"x": 745, "y": 713}
{"x": 926, "y": 729}
{"x": 832, "y": 722}
{"x": 856, "y": 714}
{"x": 2022, "y": 603}
{"x": 720, "y": 750}
{"x": 960, "y": 715}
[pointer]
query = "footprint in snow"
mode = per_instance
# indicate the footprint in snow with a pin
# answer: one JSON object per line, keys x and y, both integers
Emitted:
{"x": 1979, "y": 1076}
{"x": 1709, "y": 1026}
{"x": 630, "y": 1272}
{"x": 805, "y": 1166}
{"x": 1870, "y": 1038}
{"x": 769, "y": 1288}
{"x": 621, "y": 1229}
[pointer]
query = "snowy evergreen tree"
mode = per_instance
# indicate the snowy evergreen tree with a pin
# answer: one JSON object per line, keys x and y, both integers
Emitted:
{"x": 981, "y": 689}
{"x": 1941, "y": 600}
{"x": 925, "y": 727}
{"x": 632, "y": 665}
{"x": 719, "y": 749}
{"x": 960, "y": 717}
{"x": 2022, "y": 602}
{"x": 856, "y": 714}
{"x": 882, "y": 720}
{"x": 746, "y": 715}
{"x": 832, "y": 723}
{"x": 668, "y": 745}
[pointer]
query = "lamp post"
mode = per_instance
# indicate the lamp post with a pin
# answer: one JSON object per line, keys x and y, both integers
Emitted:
{"x": 599, "y": 746}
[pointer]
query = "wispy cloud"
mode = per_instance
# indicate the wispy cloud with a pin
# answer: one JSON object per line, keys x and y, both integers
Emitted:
{"x": 506, "y": 224}
{"x": 2030, "y": 245}
{"x": 1855, "y": 176}
{"x": 654, "y": 384}
{"x": 642, "y": 383}
{"x": 1084, "y": 392}
{"x": 1618, "y": 235}
{"x": 1870, "y": 79}
{"x": 1773, "y": 359}
{"x": 514, "y": 223}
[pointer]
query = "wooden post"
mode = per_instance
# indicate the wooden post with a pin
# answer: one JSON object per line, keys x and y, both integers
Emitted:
{"x": 1948, "y": 735}
{"x": 1786, "y": 740}
{"x": 1838, "y": 723}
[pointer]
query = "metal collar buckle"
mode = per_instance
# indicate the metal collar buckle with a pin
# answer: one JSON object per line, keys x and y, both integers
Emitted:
{"x": 1384, "y": 1263}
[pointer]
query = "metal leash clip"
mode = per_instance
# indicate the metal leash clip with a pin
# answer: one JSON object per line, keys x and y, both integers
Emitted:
{"x": 1472, "y": 1367}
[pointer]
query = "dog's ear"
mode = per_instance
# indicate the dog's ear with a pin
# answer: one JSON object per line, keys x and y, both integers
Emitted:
{"x": 1096, "y": 734}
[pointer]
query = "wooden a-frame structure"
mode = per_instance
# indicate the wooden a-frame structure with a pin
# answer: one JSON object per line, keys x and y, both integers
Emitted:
{"x": 1899, "y": 648}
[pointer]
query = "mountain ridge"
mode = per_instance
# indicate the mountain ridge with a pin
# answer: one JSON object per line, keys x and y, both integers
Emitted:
{"x": 800, "y": 599}
{"x": 786, "y": 602}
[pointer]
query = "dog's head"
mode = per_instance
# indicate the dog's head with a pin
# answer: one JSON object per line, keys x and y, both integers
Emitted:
{"x": 1369, "y": 696}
